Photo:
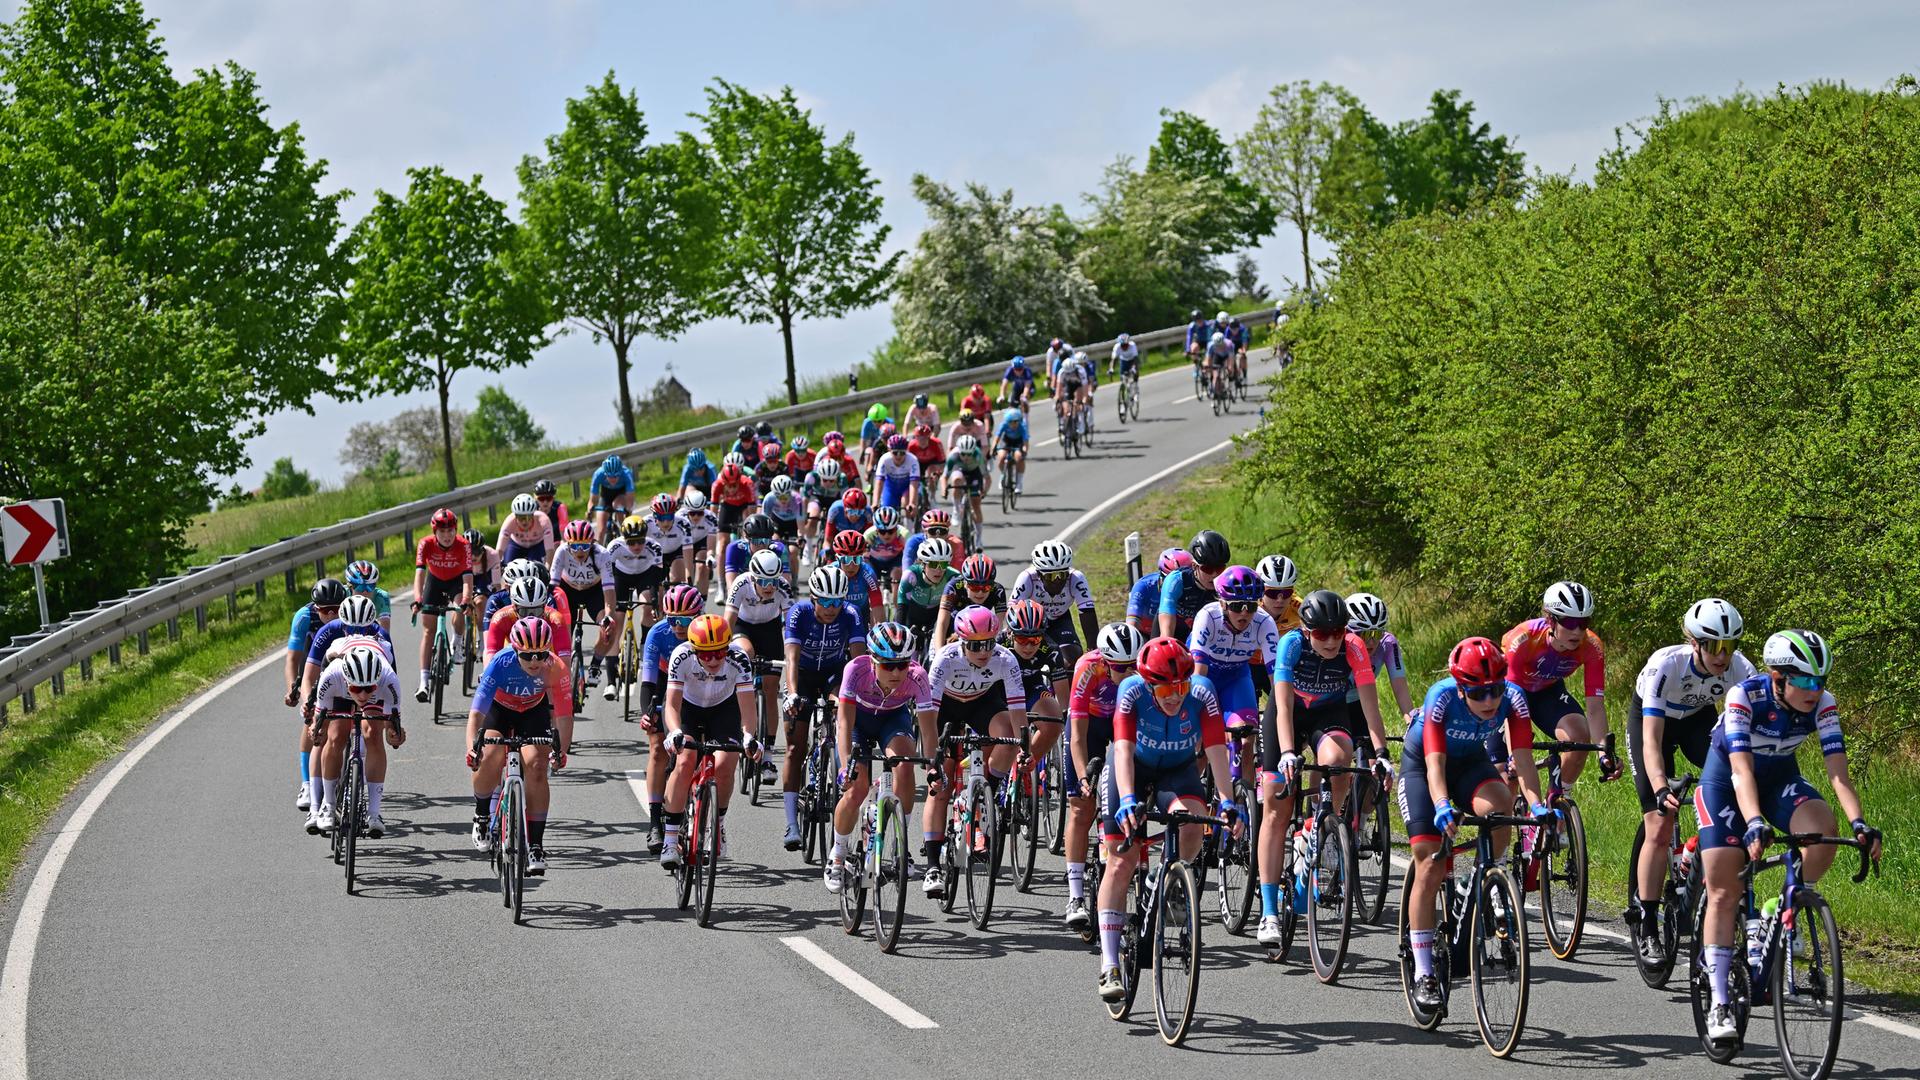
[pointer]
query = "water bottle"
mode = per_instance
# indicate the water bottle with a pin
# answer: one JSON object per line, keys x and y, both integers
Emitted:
{"x": 1683, "y": 861}
{"x": 1300, "y": 872}
{"x": 1757, "y": 945}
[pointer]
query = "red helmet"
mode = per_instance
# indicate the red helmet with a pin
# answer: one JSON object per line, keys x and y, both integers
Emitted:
{"x": 769, "y": 452}
{"x": 1164, "y": 660}
{"x": 664, "y": 505}
{"x": 1025, "y": 618}
{"x": 888, "y": 431}
{"x": 978, "y": 570}
{"x": 444, "y": 518}
{"x": 978, "y": 390}
{"x": 924, "y": 431}
{"x": 854, "y": 499}
{"x": 1477, "y": 662}
{"x": 936, "y": 519}
{"x": 849, "y": 542}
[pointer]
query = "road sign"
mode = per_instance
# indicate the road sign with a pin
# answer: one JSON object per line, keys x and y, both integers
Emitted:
{"x": 1132, "y": 548}
{"x": 34, "y": 531}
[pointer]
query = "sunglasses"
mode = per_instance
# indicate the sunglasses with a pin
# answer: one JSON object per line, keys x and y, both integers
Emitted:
{"x": 679, "y": 622}
{"x": 359, "y": 691}
{"x": 1053, "y": 575}
{"x": 1372, "y": 637}
{"x": 1028, "y": 639}
{"x": 846, "y": 560}
{"x": 977, "y": 646}
{"x": 543, "y": 498}
{"x": 1483, "y": 693}
{"x": 1243, "y": 607}
{"x": 1328, "y": 635}
{"x": 329, "y": 612}
{"x": 1717, "y": 648}
{"x": 1277, "y": 594}
{"x": 580, "y": 549}
{"x": 1807, "y": 682}
{"x": 828, "y": 605}
{"x": 893, "y": 665}
{"x": 766, "y": 582}
{"x": 1211, "y": 571}
{"x": 534, "y": 657}
{"x": 1572, "y": 624}
{"x": 937, "y": 530}
{"x": 1172, "y": 689}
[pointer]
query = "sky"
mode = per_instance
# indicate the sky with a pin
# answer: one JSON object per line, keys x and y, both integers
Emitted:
{"x": 1033, "y": 95}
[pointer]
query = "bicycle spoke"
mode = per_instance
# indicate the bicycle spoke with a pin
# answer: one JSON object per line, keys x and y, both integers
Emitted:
{"x": 1809, "y": 990}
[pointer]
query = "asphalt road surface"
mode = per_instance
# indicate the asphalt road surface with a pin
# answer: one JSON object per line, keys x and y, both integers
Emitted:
{"x": 194, "y": 929}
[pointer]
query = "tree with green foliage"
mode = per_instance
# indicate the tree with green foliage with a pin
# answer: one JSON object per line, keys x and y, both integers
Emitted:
{"x": 803, "y": 232}
{"x": 625, "y": 237}
{"x": 435, "y": 293}
{"x": 1285, "y": 153}
{"x": 284, "y": 481}
{"x": 1189, "y": 147}
{"x": 987, "y": 278}
{"x": 1149, "y": 246}
{"x": 1441, "y": 161}
{"x": 500, "y": 423}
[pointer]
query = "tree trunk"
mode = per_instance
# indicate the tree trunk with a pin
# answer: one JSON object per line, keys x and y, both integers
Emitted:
{"x": 786, "y": 335}
{"x": 1306, "y": 260}
{"x": 446, "y": 428}
{"x": 620, "y": 347}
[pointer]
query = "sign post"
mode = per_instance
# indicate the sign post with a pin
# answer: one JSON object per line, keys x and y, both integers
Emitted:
{"x": 32, "y": 533}
{"x": 1133, "y": 557}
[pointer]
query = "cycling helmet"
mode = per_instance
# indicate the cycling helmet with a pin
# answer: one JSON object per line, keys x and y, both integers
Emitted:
{"x": 1800, "y": 652}
{"x": 1123, "y": 339}
{"x": 1080, "y": 356}
{"x": 1323, "y": 609}
{"x": 736, "y": 459}
{"x": 925, "y": 431}
{"x": 1164, "y": 660}
{"x": 361, "y": 574}
{"x": 683, "y": 600}
{"x": 976, "y": 624}
{"x": 765, "y": 566}
{"x": 529, "y": 592}
{"x": 525, "y": 506}
{"x": 1054, "y": 344}
{"x": 1120, "y": 643}
{"x": 531, "y": 635}
{"x": 694, "y": 503}
{"x": 443, "y": 519}
{"x": 634, "y": 527}
{"x": 978, "y": 569}
{"x": 769, "y": 452}
{"x": 696, "y": 456}
{"x": 664, "y": 505}
{"x": 765, "y": 430}
{"x": 579, "y": 532}
{"x": 1277, "y": 572}
{"x": 966, "y": 444}
{"x": 1052, "y": 557}
{"x": 886, "y": 519}
{"x": 849, "y": 543}
{"x": 358, "y": 611}
{"x": 364, "y": 667}
{"x": 1568, "y": 600}
{"x": 888, "y": 431}
{"x": 966, "y": 416}
{"x": 1026, "y": 618}
{"x": 1217, "y": 338}
{"x": 897, "y": 444}
{"x": 828, "y": 583}
{"x": 828, "y": 470}
{"x": 936, "y": 519}
{"x": 1365, "y": 612}
{"x": 745, "y": 434}
{"x": 1222, "y": 317}
{"x": 517, "y": 570}
{"x": 1012, "y": 415}
{"x": 1477, "y": 662}
{"x": 1713, "y": 619}
{"x": 782, "y": 485}
{"x": 1174, "y": 559}
{"x": 613, "y": 463}
{"x": 543, "y": 487}
{"x": 919, "y": 401}
{"x": 935, "y": 552}
{"x": 1237, "y": 583}
{"x": 834, "y": 437}
{"x": 541, "y": 572}
{"x": 709, "y": 633}
{"x": 890, "y": 641}
{"x": 328, "y": 592}
{"x": 877, "y": 412}
{"x": 1194, "y": 314}
{"x": 1209, "y": 549}
{"x": 1019, "y": 363}
{"x": 474, "y": 540}
{"x": 800, "y": 442}
{"x": 758, "y": 527}
{"x": 854, "y": 499}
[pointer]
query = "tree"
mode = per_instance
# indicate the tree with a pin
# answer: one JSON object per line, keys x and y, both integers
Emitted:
{"x": 283, "y": 481}
{"x": 1285, "y": 153}
{"x": 408, "y": 443}
{"x": 434, "y": 293}
{"x": 987, "y": 279}
{"x": 803, "y": 238}
{"x": 1246, "y": 278}
{"x": 186, "y": 185}
{"x": 1149, "y": 245}
{"x": 1376, "y": 175}
{"x": 1189, "y": 146}
{"x": 500, "y": 423}
{"x": 625, "y": 236}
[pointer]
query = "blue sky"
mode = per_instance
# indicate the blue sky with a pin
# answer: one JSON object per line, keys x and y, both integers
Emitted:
{"x": 1033, "y": 95}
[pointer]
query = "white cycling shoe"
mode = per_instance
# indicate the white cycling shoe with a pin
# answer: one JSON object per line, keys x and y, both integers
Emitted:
{"x": 1269, "y": 933}
{"x": 836, "y": 875}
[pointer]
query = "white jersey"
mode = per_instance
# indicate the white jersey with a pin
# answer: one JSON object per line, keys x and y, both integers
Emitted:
{"x": 333, "y": 685}
{"x": 1072, "y": 370}
{"x": 1126, "y": 354}
{"x": 1074, "y": 594}
{"x": 670, "y": 535}
{"x": 703, "y": 687}
{"x": 1214, "y": 643}
{"x": 954, "y": 676}
{"x": 889, "y": 469}
{"x": 629, "y": 557}
{"x": 751, "y": 607}
{"x": 697, "y": 532}
{"x": 1671, "y": 685}
{"x": 346, "y": 641}
{"x": 595, "y": 570}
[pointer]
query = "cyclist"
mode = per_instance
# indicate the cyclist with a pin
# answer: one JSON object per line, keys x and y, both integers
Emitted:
{"x": 533, "y": 598}
{"x": 879, "y": 695}
{"x": 1675, "y": 707}
{"x": 667, "y": 529}
{"x": 969, "y": 423}
{"x": 965, "y": 474}
{"x": 1043, "y": 676}
{"x": 757, "y": 610}
{"x": 584, "y": 572}
{"x": 1542, "y": 652}
{"x": 482, "y": 581}
{"x": 1016, "y": 386}
{"x": 1316, "y": 666}
{"x": 863, "y": 586}
{"x": 1198, "y": 331}
{"x": 698, "y": 474}
{"x": 639, "y": 568}
{"x": 1367, "y": 616}
{"x": 706, "y": 679}
{"x": 1060, "y": 589}
{"x": 975, "y": 586}
{"x": 800, "y": 458}
{"x": 1010, "y": 440}
{"x": 517, "y": 570}
{"x": 768, "y": 468}
{"x": 886, "y": 543}
{"x": 746, "y": 442}
{"x": 926, "y": 447}
{"x": 358, "y": 618}
{"x": 870, "y": 456}
{"x": 1126, "y": 357}
{"x": 896, "y": 475}
{"x": 877, "y": 414}
{"x": 850, "y": 514}
{"x": 698, "y": 525}
{"x": 1452, "y": 749}
{"x": 360, "y": 681}
{"x": 834, "y": 446}
{"x": 1096, "y": 680}
{"x": 923, "y": 414}
{"x": 784, "y": 507}
{"x": 323, "y": 607}
{"x": 822, "y": 488}
{"x": 1069, "y": 382}
{"x": 976, "y": 685}
{"x": 733, "y": 493}
{"x": 820, "y": 633}
{"x": 937, "y": 524}
{"x": 1217, "y": 360}
{"x": 680, "y": 606}
{"x": 611, "y": 492}
{"x": 917, "y": 600}
{"x": 1164, "y": 718}
{"x": 977, "y": 400}
{"x": 1143, "y": 597}
{"x": 527, "y": 533}
{"x": 523, "y": 691}
{"x": 1278, "y": 576}
{"x": 756, "y": 535}
{"x": 1752, "y": 782}
{"x": 1234, "y": 644}
{"x": 442, "y": 566}
{"x": 363, "y": 579}
{"x": 1185, "y": 591}
{"x": 1237, "y": 334}
{"x": 548, "y": 498}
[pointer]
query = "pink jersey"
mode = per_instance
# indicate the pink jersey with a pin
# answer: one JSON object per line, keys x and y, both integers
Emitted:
{"x": 1094, "y": 689}
{"x": 1533, "y": 663}
{"x": 860, "y": 684}
{"x": 504, "y": 619}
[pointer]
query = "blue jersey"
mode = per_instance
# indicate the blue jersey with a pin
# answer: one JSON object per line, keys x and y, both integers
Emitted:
{"x": 495, "y": 601}
{"x": 1012, "y": 429}
{"x": 1317, "y": 680}
{"x": 382, "y": 600}
{"x": 1020, "y": 376}
{"x": 862, "y": 583}
{"x": 612, "y": 482}
{"x": 1161, "y": 740}
{"x": 1143, "y": 600}
{"x": 739, "y": 551}
{"x": 1758, "y": 723}
{"x": 1236, "y": 333}
{"x": 334, "y": 631}
{"x": 506, "y": 684}
{"x": 843, "y": 519}
{"x": 1182, "y": 596}
{"x": 1446, "y": 725}
{"x": 654, "y": 653}
{"x": 300, "y": 633}
{"x": 823, "y": 645}
{"x": 698, "y": 474}
{"x": 1198, "y": 332}
{"x": 870, "y": 431}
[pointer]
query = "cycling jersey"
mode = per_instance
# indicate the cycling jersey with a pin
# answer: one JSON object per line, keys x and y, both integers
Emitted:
{"x": 1198, "y": 332}
{"x": 611, "y": 484}
{"x": 954, "y": 676}
{"x": 977, "y": 429}
{"x": 896, "y": 471}
{"x": 1182, "y": 596}
{"x": 1126, "y": 357}
{"x": 485, "y": 569}
{"x": 1071, "y": 373}
{"x": 1143, "y": 599}
{"x": 863, "y": 589}
{"x": 696, "y": 530}
{"x": 750, "y": 607}
{"x": 1040, "y": 671}
{"x": 1074, "y": 594}
{"x": 821, "y": 492}
{"x": 384, "y": 701}
{"x": 1758, "y": 723}
{"x": 823, "y": 645}
{"x": 916, "y": 416}
{"x": 1534, "y": 664}
{"x": 382, "y": 600}
{"x": 734, "y": 559}
{"x": 500, "y": 624}
{"x": 1226, "y": 651}
{"x": 1445, "y": 724}
{"x": 536, "y": 534}
{"x": 704, "y": 687}
{"x": 506, "y": 685}
{"x": 799, "y": 463}
{"x": 788, "y": 509}
{"x": 1219, "y": 352}
{"x": 1094, "y": 692}
{"x": 913, "y": 551}
{"x": 1012, "y": 432}
{"x": 1671, "y": 686}
{"x": 972, "y": 467}
{"x": 656, "y": 651}
{"x": 324, "y": 638}
{"x": 576, "y": 572}
{"x": 748, "y": 448}
{"x": 841, "y": 519}
{"x": 635, "y": 557}
{"x": 696, "y": 474}
{"x": 1162, "y": 740}
{"x": 930, "y": 452}
{"x": 446, "y": 562}
{"x": 1315, "y": 679}
{"x": 870, "y": 431}
{"x": 860, "y": 684}
{"x": 1384, "y": 653}
{"x": 885, "y": 548}
{"x": 300, "y": 632}
{"x": 954, "y": 596}
{"x": 1019, "y": 376}
{"x": 917, "y": 589}
{"x": 733, "y": 488}
{"x": 1237, "y": 333}
{"x": 764, "y": 474}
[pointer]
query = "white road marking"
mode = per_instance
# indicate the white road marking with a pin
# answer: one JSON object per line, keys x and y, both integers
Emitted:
{"x": 813, "y": 954}
{"x": 1093, "y": 515}
{"x": 637, "y": 780}
{"x": 1885, "y": 1024}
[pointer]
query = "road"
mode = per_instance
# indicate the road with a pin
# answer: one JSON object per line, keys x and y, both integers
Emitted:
{"x": 194, "y": 929}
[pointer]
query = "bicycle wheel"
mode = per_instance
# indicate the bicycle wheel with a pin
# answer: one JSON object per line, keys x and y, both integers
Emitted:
{"x": 1023, "y": 832}
{"x": 442, "y": 668}
{"x": 1653, "y": 974}
{"x": 1133, "y": 398}
{"x": 1057, "y": 784}
{"x": 683, "y": 874}
{"x": 1376, "y": 856}
{"x": 467, "y": 658}
{"x": 889, "y": 861}
{"x": 952, "y": 852}
{"x": 1425, "y": 1021}
{"x": 502, "y": 846}
{"x": 352, "y": 786}
{"x": 1809, "y": 989}
{"x": 514, "y": 853}
{"x": 1176, "y": 952}
{"x": 707, "y": 870}
{"x": 853, "y": 885}
{"x": 1700, "y": 986}
{"x": 629, "y": 667}
{"x": 1563, "y": 885}
{"x": 1239, "y": 876}
{"x": 983, "y": 847}
{"x": 1330, "y": 888}
{"x": 1497, "y": 962}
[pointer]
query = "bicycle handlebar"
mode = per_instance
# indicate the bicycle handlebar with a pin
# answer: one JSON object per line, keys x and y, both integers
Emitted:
{"x": 701, "y": 746}
{"x": 517, "y": 741}
{"x": 1557, "y": 746}
{"x": 1171, "y": 819}
{"x": 1798, "y": 841}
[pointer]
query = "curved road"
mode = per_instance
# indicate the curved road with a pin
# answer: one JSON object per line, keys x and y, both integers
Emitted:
{"x": 194, "y": 929}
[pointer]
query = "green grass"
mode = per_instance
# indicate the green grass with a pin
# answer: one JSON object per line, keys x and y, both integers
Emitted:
{"x": 1880, "y": 919}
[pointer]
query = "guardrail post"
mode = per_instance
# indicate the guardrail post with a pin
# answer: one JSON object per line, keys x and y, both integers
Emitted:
{"x": 233, "y": 605}
{"x": 59, "y": 683}
{"x": 408, "y": 537}
{"x": 291, "y": 584}
{"x": 493, "y": 518}
{"x": 576, "y": 491}
{"x": 260, "y": 590}
{"x": 86, "y": 669}
{"x": 347, "y": 559}
{"x": 143, "y": 642}
{"x": 113, "y": 654}
{"x": 379, "y": 548}
{"x": 319, "y": 568}
{"x": 200, "y": 618}
{"x": 173, "y": 628}
{"x": 26, "y": 700}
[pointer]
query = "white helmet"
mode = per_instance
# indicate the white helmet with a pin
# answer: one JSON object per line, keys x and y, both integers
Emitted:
{"x": 765, "y": 565}
{"x": 1801, "y": 652}
{"x": 1080, "y": 356}
{"x": 1120, "y": 643}
{"x": 782, "y": 484}
{"x": 1366, "y": 611}
{"x": 1568, "y": 600}
{"x": 828, "y": 469}
{"x": 517, "y": 570}
{"x": 1124, "y": 338}
{"x": 1052, "y": 556}
{"x": 364, "y": 667}
{"x": 525, "y": 505}
{"x": 828, "y": 583}
{"x": 694, "y": 501}
{"x": 1713, "y": 619}
{"x": 736, "y": 459}
{"x": 1277, "y": 572}
{"x": 358, "y": 611}
{"x": 1221, "y": 317}
{"x": 966, "y": 444}
{"x": 935, "y": 551}
{"x": 1217, "y": 338}
{"x": 529, "y": 592}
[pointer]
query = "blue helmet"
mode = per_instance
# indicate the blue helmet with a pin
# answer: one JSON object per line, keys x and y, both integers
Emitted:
{"x": 613, "y": 463}
{"x": 1020, "y": 362}
{"x": 890, "y": 641}
{"x": 696, "y": 456}
{"x": 1012, "y": 415}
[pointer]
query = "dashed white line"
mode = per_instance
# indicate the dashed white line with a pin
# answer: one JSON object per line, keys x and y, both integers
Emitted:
{"x": 900, "y": 1011}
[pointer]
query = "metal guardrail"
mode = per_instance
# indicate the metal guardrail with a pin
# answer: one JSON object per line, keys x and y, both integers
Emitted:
{"x": 41, "y": 658}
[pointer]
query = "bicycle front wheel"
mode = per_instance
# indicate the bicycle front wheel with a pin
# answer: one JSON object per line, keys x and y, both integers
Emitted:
{"x": 853, "y": 884}
{"x": 1176, "y": 952}
{"x": 683, "y": 874}
{"x": 1330, "y": 888}
{"x": 352, "y": 787}
{"x": 982, "y": 841}
{"x": 707, "y": 868}
{"x": 1422, "y": 1019}
{"x": 889, "y": 861}
{"x": 1563, "y": 884}
{"x": 1497, "y": 963}
{"x": 1809, "y": 991}
{"x": 442, "y": 668}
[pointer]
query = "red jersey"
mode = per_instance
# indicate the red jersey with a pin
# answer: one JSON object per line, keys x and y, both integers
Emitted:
{"x": 931, "y": 454}
{"x": 799, "y": 463}
{"x": 445, "y": 562}
{"x": 734, "y": 488}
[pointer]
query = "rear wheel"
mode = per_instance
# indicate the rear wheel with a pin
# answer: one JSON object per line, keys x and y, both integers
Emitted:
{"x": 1239, "y": 876}
{"x": 516, "y": 854}
{"x": 953, "y": 857}
{"x": 1563, "y": 884}
{"x": 1700, "y": 987}
{"x": 1653, "y": 974}
{"x": 1376, "y": 859}
{"x": 1422, "y": 1019}
{"x": 1130, "y": 946}
{"x": 707, "y": 869}
{"x": 1809, "y": 991}
{"x": 1176, "y": 953}
{"x": 689, "y": 855}
{"x": 982, "y": 854}
{"x": 1023, "y": 832}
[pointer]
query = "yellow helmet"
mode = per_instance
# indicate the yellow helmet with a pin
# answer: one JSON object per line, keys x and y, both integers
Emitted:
{"x": 709, "y": 633}
{"x": 634, "y": 527}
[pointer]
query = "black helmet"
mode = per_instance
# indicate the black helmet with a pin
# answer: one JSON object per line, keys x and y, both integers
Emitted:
{"x": 745, "y": 433}
{"x": 1193, "y": 315}
{"x": 329, "y": 592}
{"x": 540, "y": 571}
{"x": 766, "y": 430}
{"x": 474, "y": 540}
{"x": 1209, "y": 549}
{"x": 758, "y": 527}
{"x": 543, "y": 487}
{"x": 1323, "y": 610}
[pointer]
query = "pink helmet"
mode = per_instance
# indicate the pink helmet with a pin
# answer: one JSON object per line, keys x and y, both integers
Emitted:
{"x": 579, "y": 532}
{"x": 976, "y": 624}
{"x": 1175, "y": 559}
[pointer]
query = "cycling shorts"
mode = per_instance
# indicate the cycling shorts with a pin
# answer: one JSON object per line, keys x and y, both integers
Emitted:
{"x": 712, "y": 723}
{"x": 1690, "y": 734}
{"x": 531, "y": 723}
{"x": 516, "y": 550}
{"x": 1070, "y": 386}
{"x": 877, "y": 729}
{"x": 975, "y": 715}
{"x": 765, "y": 637}
{"x": 1153, "y": 787}
{"x": 1099, "y": 737}
{"x": 1233, "y": 685}
{"x": 1060, "y": 632}
{"x": 1309, "y": 727}
{"x": 893, "y": 490}
{"x": 591, "y": 600}
{"x": 626, "y": 586}
{"x": 1718, "y": 812}
{"x": 440, "y": 592}
{"x": 1037, "y": 685}
{"x": 1548, "y": 704}
{"x": 786, "y": 528}
{"x": 920, "y": 619}
{"x": 1465, "y": 777}
{"x": 730, "y": 517}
